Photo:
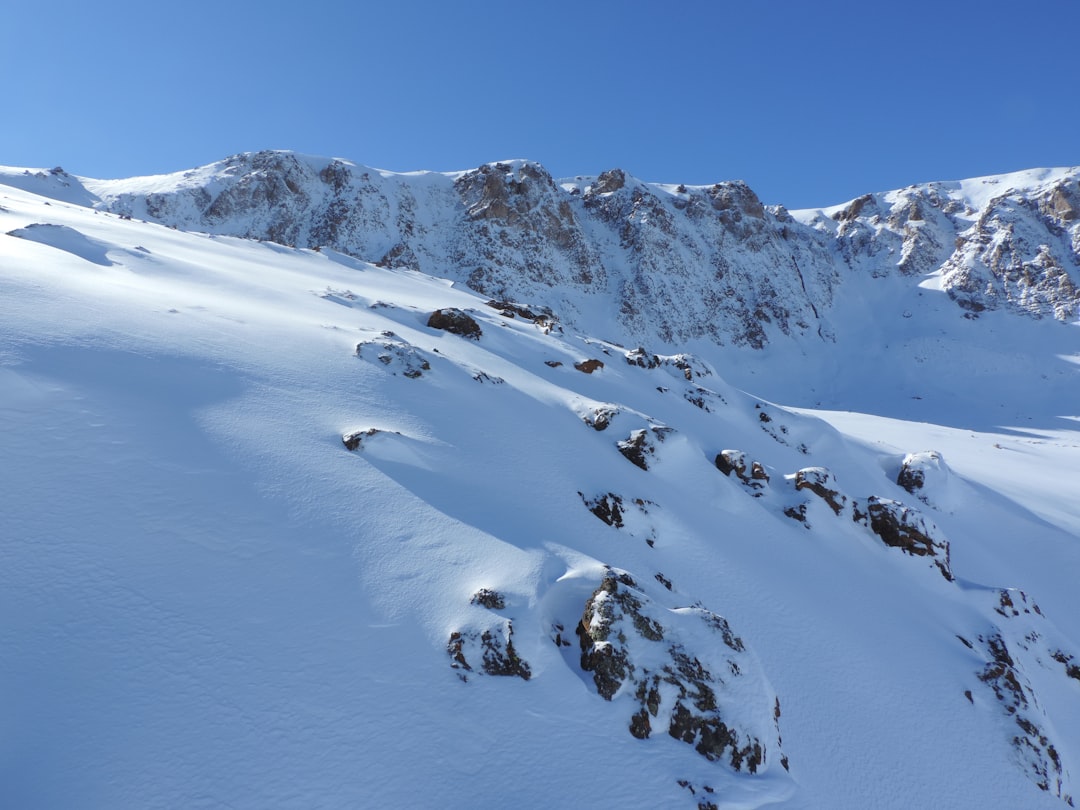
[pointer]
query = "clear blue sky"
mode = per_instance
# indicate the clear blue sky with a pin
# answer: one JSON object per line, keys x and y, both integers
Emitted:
{"x": 810, "y": 102}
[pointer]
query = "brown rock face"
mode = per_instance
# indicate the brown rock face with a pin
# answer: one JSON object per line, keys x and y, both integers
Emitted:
{"x": 456, "y": 322}
{"x": 589, "y": 366}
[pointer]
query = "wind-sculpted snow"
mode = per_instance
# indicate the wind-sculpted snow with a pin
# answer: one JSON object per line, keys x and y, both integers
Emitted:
{"x": 283, "y": 527}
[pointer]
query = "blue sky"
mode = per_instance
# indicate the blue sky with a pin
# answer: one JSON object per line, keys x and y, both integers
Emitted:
{"x": 810, "y": 103}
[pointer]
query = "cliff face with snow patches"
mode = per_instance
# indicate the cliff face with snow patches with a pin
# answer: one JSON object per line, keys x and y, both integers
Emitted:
{"x": 675, "y": 262}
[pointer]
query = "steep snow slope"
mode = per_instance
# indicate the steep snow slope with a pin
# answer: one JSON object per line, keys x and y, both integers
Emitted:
{"x": 210, "y": 600}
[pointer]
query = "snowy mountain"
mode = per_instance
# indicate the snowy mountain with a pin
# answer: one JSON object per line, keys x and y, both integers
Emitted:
{"x": 328, "y": 486}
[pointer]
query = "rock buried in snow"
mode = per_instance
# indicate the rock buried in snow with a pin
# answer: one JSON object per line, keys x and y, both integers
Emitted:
{"x": 630, "y": 514}
{"x": 683, "y": 671}
{"x": 896, "y": 524}
{"x": 600, "y": 417}
{"x": 683, "y": 365}
{"x": 543, "y": 317}
{"x": 492, "y": 600}
{"x": 609, "y": 508}
{"x": 456, "y": 322}
{"x": 924, "y": 475}
{"x": 353, "y": 439}
{"x": 752, "y": 475}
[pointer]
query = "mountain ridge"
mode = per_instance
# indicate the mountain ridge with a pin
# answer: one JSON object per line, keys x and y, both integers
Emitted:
{"x": 676, "y": 263}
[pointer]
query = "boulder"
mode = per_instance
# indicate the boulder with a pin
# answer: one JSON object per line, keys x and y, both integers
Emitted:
{"x": 456, "y": 322}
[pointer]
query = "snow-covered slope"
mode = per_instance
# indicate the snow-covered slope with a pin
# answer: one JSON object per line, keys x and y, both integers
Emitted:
{"x": 274, "y": 536}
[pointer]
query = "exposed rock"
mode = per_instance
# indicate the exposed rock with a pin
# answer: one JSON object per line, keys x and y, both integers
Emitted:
{"x": 490, "y": 651}
{"x": 903, "y": 527}
{"x": 638, "y": 446}
{"x": 629, "y": 514}
{"x": 856, "y": 208}
{"x": 492, "y": 600}
{"x": 1011, "y": 650}
{"x": 702, "y": 397}
{"x": 751, "y": 473}
{"x": 641, "y": 358}
{"x": 455, "y": 321}
{"x": 589, "y": 366}
{"x": 821, "y": 482}
{"x": 636, "y": 648}
{"x": 543, "y": 317}
{"x": 797, "y": 512}
{"x": 609, "y": 508}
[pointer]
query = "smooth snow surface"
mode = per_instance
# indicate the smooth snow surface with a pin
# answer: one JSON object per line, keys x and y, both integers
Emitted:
{"x": 207, "y": 601}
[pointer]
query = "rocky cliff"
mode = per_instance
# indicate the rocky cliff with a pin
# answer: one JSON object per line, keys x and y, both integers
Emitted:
{"x": 667, "y": 263}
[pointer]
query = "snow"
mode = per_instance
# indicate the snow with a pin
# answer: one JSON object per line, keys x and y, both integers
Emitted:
{"x": 208, "y": 601}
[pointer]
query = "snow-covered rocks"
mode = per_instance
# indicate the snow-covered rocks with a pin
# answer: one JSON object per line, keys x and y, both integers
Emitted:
{"x": 682, "y": 671}
{"x": 398, "y": 356}
{"x": 1022, "y": 655}
{"x": 819, "y": 481}
{"x": 926, "y": 476}
{"x": 489, "y": 651}
{"x": 751, "y": 473}
{"x": 907, "y": 529}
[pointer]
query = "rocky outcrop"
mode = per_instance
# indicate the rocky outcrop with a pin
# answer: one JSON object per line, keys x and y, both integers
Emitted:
{"x": 488, "y": 598}
{"x": 608, "y": 507}
{"x": 490, "y": 651}
{"x": 1015, "y": 655}
{"x": 926, "y": 476}
{"x": 542, "y": 317}
{"x": 683, "y": 672}
{"x": 905, "y": 528}
{"x": 751, "y": 473}
{"x": 894, "y": 523}
{"x": 640, "y": 445}
{"x": 589, "y": 366}
{"x": 456, "y": 322}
